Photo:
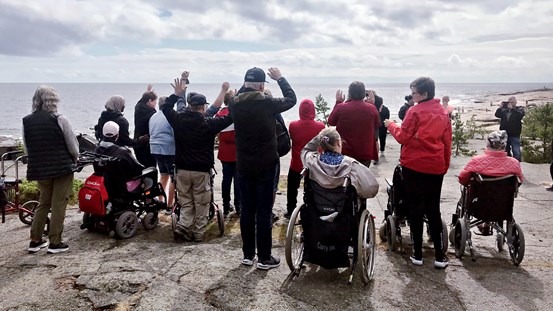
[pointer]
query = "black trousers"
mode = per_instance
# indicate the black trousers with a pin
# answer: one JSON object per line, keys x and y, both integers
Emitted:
{"x": 422, "y": 196}
{"x": 294, "y": 179}
{"x": 382, "y": 131}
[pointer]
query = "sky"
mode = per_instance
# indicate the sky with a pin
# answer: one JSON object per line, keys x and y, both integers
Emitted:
{"x": 469, "y": 41}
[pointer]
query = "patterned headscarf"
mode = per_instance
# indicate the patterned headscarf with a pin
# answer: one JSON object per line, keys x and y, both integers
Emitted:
{"x": 497, "y": 140}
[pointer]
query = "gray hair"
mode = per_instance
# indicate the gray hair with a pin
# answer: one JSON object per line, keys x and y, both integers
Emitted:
{"x": 46, "y": 99}
{"x": 356, "y": 91}
{"x": 328, "y": 138}
{"x": 116, "y": 102}
{"x": 161, "y": 101}
{"x": 254, "y": 85}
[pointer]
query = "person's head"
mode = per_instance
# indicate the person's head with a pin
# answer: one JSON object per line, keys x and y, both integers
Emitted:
{"x": 409, "y": 100}
{"x": 356, "y": 91}
{"x": 445, "y": 100}
{"x": 228, "y": 96}
{"x": 330, "y": 141}
{"x": 46, "y": 99}
{"x": 497, "y": 141}
{"x": 197, "y": 103}
{"x": 512, "y": 102}
{"x": 422, "y": 89}
{"x": 149, "y": 98}
{"x": 116, "y": 102}
{"x": 110, "y": 131}
{"x": 378, "y": 101}
{"x": 255, "y": 79}
{"x": 307, "y": 109}
{"x": 161, "y": 101}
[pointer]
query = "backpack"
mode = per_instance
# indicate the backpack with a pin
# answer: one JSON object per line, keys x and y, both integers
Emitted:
{"x": 283, "y": 138}
{"x": 93, "y": 196}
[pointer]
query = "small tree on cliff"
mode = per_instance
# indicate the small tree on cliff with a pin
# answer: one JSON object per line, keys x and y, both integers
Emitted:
{"x": 538, "y": 134}
{"x": 321, "y": 108}
{"x": 460, "y": 138}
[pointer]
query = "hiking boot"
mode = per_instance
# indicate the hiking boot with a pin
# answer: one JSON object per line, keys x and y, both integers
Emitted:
{"x": 267, "y": 264}
{"x": 178, "y": 235}
{"x": 36, "y": 246}
{"x": 416, "y": 261}
{"x": 248, "y": 260}
{"x": 58, "y": 248}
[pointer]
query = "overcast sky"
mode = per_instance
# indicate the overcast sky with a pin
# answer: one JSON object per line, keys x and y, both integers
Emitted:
{"x": 310, "y": 41}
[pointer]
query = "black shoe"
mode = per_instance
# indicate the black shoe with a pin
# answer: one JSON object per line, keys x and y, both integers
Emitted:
{"x": 178, "y": 235}
{"x": 287, "y": 215}
{"x": 267, "y": 264}
{"x": 36, "y": 246}
{"x": 58, "y": 248}
{"x": 248, "y": 260}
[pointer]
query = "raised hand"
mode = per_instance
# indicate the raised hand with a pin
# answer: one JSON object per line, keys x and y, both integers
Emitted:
{"x": 274, "y": 73}
{"x": 340, "y": 97}
{"x": 179, "y": 87}
{"x": 150, "y": 88}
{"x": 225, "y": 86}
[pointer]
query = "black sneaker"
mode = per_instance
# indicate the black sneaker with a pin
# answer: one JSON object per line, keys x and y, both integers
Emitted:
{"x": 267, "y": 264}
{"x": 36, "y": 246}
{"x": 58, "y": 248}
{"x": 248, "y": 260}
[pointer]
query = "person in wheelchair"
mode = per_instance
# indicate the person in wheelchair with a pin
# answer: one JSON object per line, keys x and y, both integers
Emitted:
{"x": 116, "y": 175}
{"x": 494, "y": 163}
{"x": 329, "y": 167}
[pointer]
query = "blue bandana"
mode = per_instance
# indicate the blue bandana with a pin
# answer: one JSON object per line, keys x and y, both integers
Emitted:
{"x": 331, "y": 158}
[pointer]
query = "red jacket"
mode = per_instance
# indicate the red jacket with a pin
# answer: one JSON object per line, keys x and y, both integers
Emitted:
{"x": 227, "y": 145}
{"x": 357, "y": 122}
{"x": 492, "y": 163}
{"x": 302, "y": 131}
{"x": 426, "y": 138}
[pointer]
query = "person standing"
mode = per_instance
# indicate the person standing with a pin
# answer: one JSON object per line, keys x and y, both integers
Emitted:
{"x": 52, "y": 150}
{"x": 143, "y": 111}
{"x": 551, "y": 167}
{"x": 301, "y": 132}
{"x": 256, "y": 160}
{"x": 227, "y": 155}
{"x": 448, "y": 107}
{"x": 425, "y": 156}
{"x": 403, "y": 110}
{"x": 194, "y": 143}
{"x": 384, "y": 113}
{"x": 357, "y": 122}
{"x": 511, "y": 121}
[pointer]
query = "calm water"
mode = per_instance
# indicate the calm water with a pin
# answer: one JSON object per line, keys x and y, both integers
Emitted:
{"x": 83, "y": 103}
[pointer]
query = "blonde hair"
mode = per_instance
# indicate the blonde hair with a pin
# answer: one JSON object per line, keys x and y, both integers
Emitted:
{"x": 328, "y": 139}
{"x": 46, "y": 99}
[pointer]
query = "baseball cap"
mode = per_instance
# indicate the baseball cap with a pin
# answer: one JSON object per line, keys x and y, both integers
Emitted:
{"x": 110, "y": 129}
{"x": 255, "y": 75}
{"x": 197, "y": 100}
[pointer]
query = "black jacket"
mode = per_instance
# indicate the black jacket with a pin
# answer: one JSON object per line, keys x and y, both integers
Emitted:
{"x": 142, "y": 115}
{"x": 403, "y": 111}
{"x": 194, "y": 136}
{"x": 254, "y": 124}
{"x": 117, "y": 117}
{"x": 511, "y": 120}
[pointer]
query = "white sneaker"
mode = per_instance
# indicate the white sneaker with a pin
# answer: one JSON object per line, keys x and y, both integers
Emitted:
{"x": 415, "y": 261}
{"x": 247, "y": 261}
{"x": 440, "y": 264}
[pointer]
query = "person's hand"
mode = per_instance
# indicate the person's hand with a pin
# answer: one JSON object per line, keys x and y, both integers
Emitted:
{"x": 179, "y": 87}
{"x": 387, "y": 122}
{"x": 340, "y": 97}
{"x": 274, "y": 73}
{"x": 225, "y": 86}
{"x": 150, "y": 88}
{"x": 144, "y": 138}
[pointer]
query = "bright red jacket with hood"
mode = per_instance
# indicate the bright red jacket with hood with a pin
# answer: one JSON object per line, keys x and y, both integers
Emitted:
{"x": 302, "y": 131}
{"x": 227, "y": 143}
{"x": 426, "y": 138}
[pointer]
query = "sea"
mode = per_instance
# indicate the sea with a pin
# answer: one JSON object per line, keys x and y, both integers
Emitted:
{"x": 82, "y": 103}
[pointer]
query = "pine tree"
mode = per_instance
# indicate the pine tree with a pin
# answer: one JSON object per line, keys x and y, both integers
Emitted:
{"x": 460, "y": 138}
{"x": 321, "y": 108}
{"x": 538, "y": 128}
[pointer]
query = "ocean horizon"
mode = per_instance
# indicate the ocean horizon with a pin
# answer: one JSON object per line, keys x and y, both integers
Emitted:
{"x": 82, "y": 103}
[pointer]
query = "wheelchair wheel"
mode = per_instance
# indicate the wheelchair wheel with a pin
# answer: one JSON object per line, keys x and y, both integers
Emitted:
{"x": 500, "y": 241}
{"x": 460, "y": 237}
{"x": 516, "y": 249}
{"x": 220, "y": 219}
{"x": 382, "y": 233}
{"x": 26, "y": 217}
{"x": 126, "y": 225}
{"x": 452, "y": 235}
{"x": 366, "y": 245}
{"x": 150, "y": 220}
{"x": 293, "y": 248}
{"x": 391, "y": 230}
{"x": 444, "y": 237}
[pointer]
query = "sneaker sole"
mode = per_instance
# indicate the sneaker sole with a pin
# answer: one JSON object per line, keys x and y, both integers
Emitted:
{"x": 248, "y": 263}
{"x": 267, "y": 267}
{"x": 58, "y": 250}
{"x": 38, "y": 248}
{"x": 441, "y": 266}
{"x": 417, "y": 262}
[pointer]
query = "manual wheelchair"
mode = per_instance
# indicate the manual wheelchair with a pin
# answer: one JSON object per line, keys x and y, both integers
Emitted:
{"x": 488, "y": 201}
{"x": 329, "y": 223}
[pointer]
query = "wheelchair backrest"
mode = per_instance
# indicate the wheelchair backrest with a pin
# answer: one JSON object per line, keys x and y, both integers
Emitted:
{"x": 327, "y": 201}
{"x": 491, "y": 198}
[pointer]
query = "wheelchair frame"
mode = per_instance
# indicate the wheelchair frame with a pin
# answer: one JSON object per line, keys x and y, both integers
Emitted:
{"x": 463, "y": 220}
{"x": 366, "y": 238}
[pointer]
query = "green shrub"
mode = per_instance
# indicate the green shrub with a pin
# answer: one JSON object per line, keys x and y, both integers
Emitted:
{"x": 537, "y": 134}
{"x": 460, "y": 138}
{"x": 28, "y": 190}
{"x": 321, "y": 108}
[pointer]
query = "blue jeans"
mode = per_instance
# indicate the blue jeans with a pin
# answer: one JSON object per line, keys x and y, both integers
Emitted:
{"x": 256, "y": 192}
{"x": 513, "y": 143}
{"x": 229, "y": 173}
